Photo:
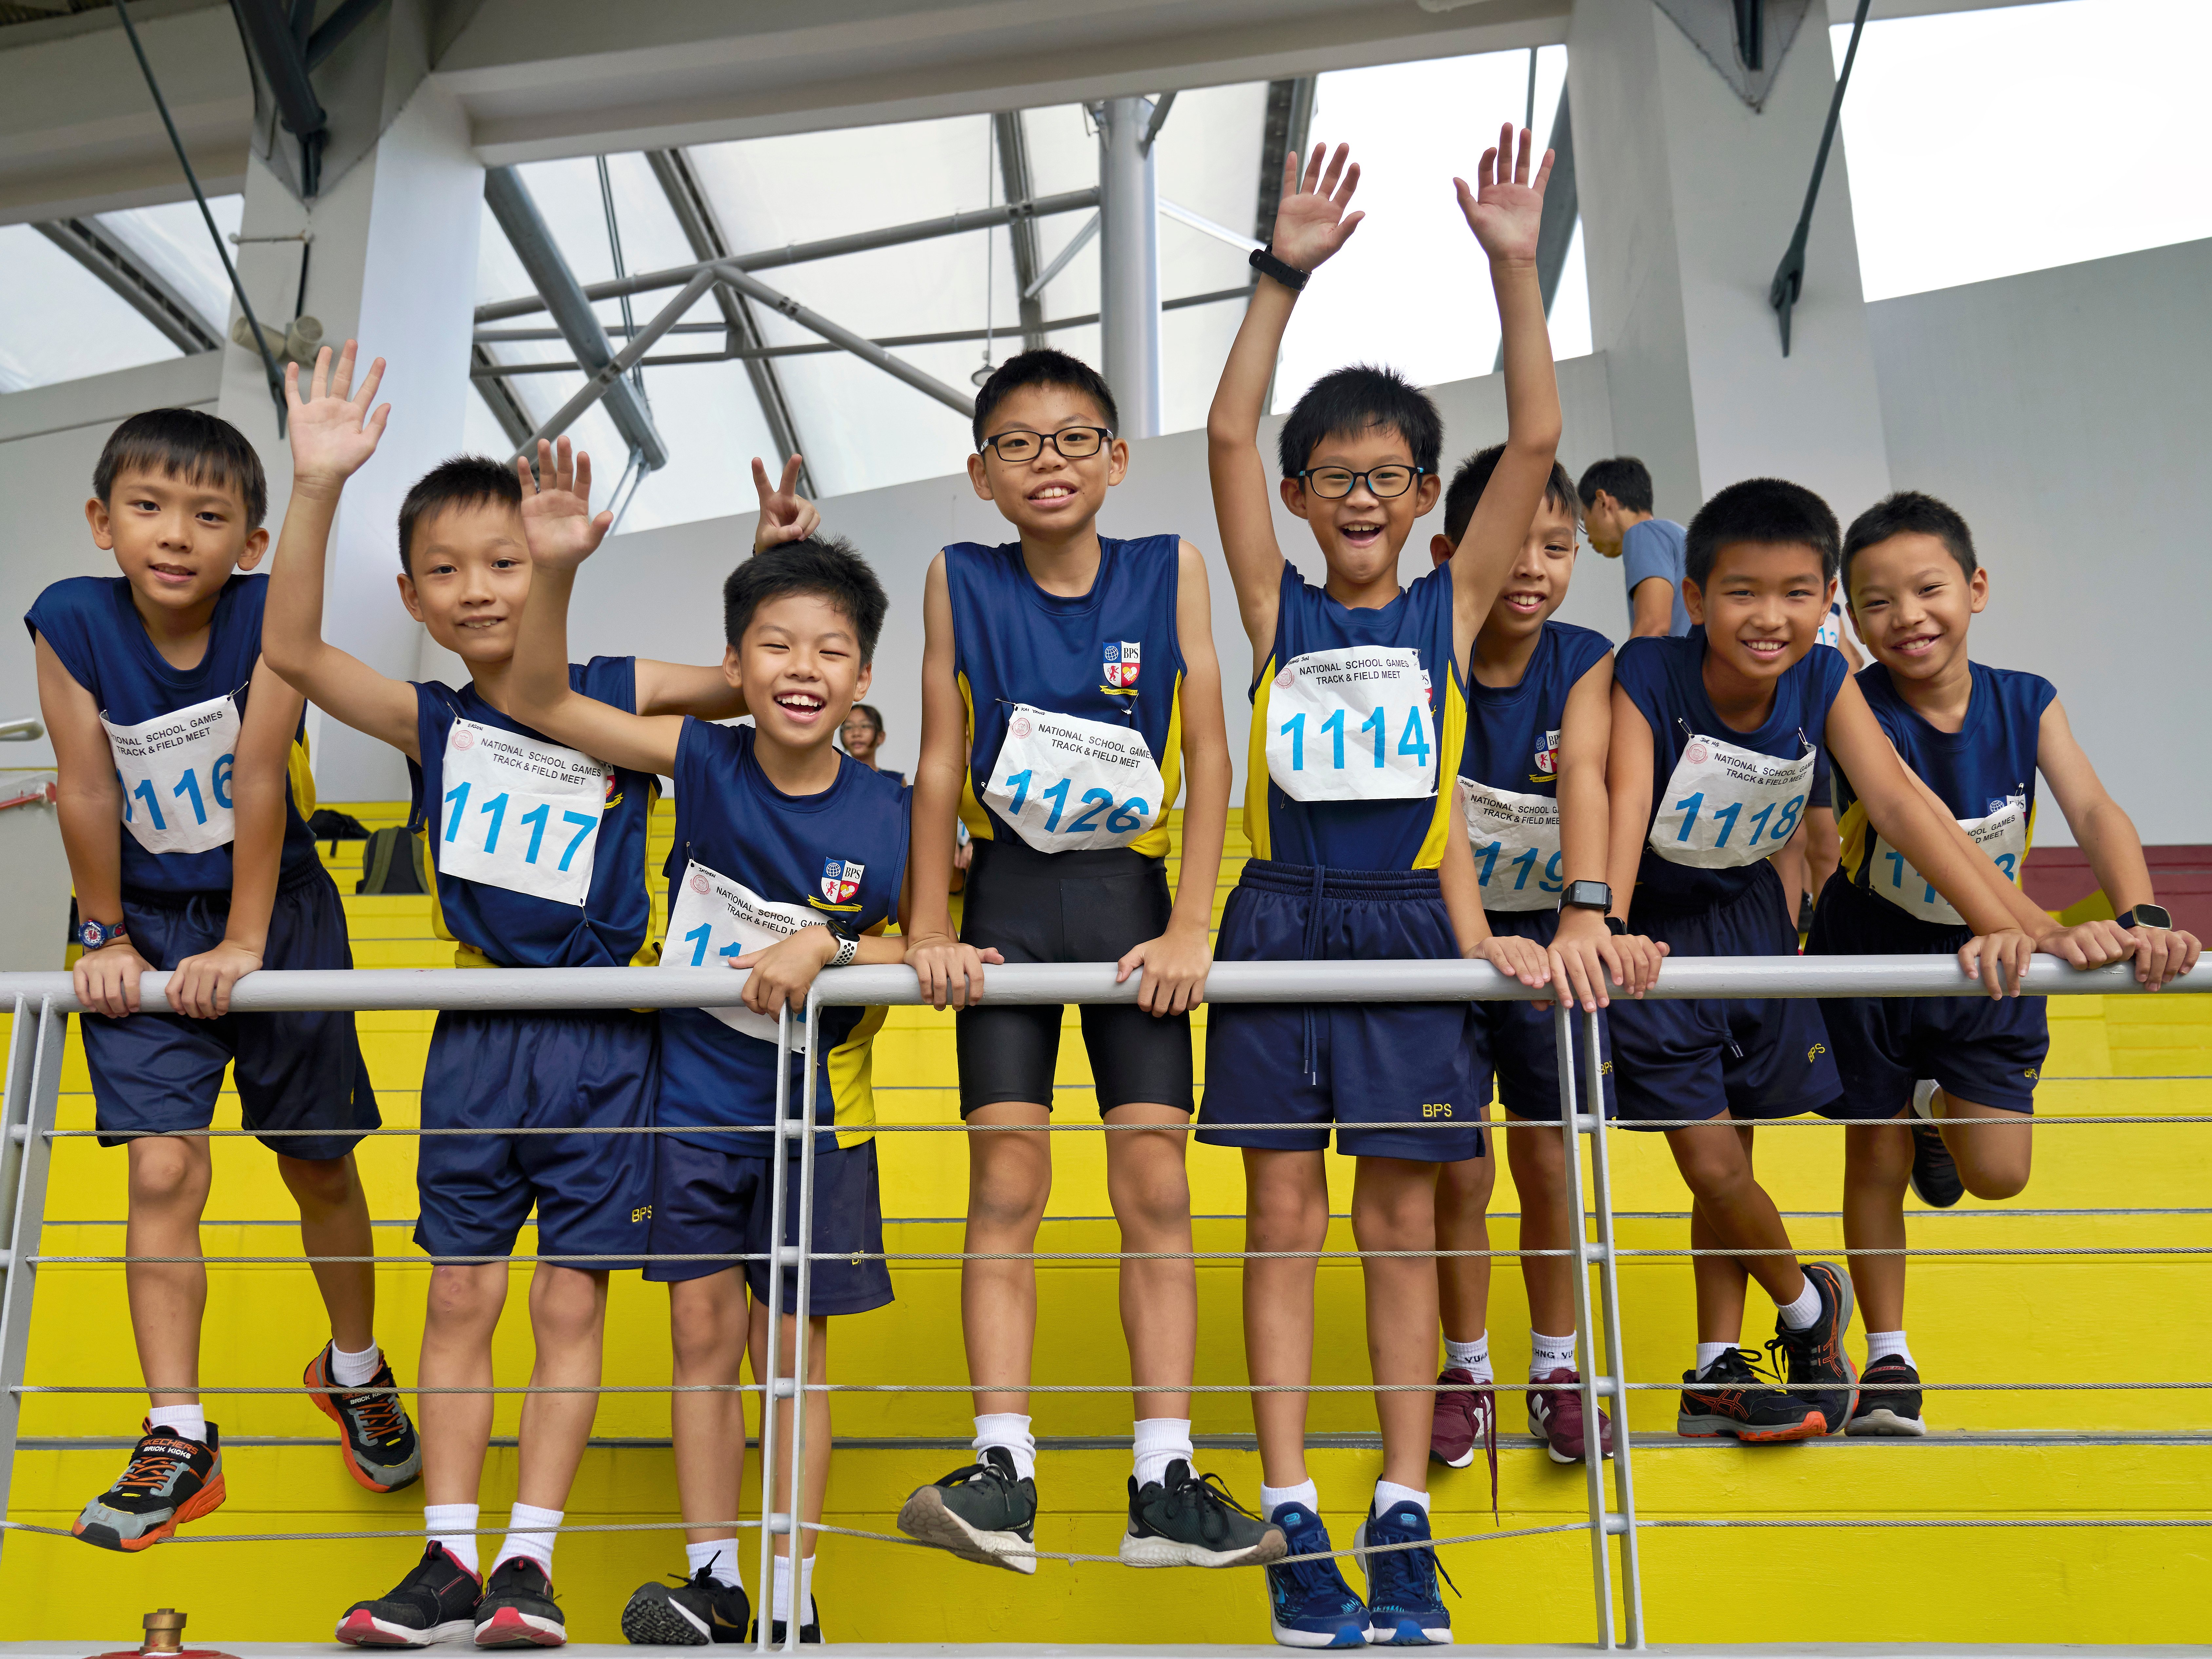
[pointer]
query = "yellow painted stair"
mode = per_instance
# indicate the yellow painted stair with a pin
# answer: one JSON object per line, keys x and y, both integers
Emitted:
{"x": 2080, "y": 1456}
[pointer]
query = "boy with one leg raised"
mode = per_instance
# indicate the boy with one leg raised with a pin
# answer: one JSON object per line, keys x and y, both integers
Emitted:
{"x": 1359, "y": 714}
{"x": 788, "y": 858}
{"x": 538, "y": 853}
{"x": 1069, "y": 686}
{"x": 1959, "y": 1075}
{"x": 1532, "y": 786}
{"x": 1715, "y": 740}
{"x": 183, "y": 786}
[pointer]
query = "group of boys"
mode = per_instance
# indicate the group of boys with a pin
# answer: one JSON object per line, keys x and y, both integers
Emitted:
{"x": 1609, "y": 809}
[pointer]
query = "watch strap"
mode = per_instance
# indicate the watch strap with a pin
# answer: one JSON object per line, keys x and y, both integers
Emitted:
{"x": 2145, "y": 915}
{"x": 1616, "y": 927}
{"x": 1263, "y": 260}
{"x": 846, "y": 950}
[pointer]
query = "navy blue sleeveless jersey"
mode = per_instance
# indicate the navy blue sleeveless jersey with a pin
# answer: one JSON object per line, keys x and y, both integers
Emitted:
{"x": 497, "y": 926}
{"x": 1665, "y": 678}
{"x": 1513, "y": 731}
{"x": 1400, "y": 833}
{"x": 93, "y": 627}
{"x": 1977, "y": 770}
{"x": 1113, "y": 655}
{"x": 731, "y": 819}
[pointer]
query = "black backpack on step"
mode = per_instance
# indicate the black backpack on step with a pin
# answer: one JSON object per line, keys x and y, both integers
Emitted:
{"x": 391, "y": 863}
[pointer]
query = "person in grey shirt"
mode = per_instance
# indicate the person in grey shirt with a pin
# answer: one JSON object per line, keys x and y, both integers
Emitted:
{"x": 1617, "y": 515}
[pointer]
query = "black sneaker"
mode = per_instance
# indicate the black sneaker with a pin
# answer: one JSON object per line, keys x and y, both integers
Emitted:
{"x": 517, "y": 1610}
{"x": 374, "y": 1436}
{"x": 697, "y": 1612}
{"x": 1728, "y": 1398}
{"x": 1816, "y": 1354}
{"x": 1889, "y": 1400}
{"x": 1191, "y": 1520}
{"x": 1934, "y": 1172}
{"x": 170, "y": 1479}
{"x": 809, "y": 1632}
{"x": 981, "y": 1513}
{"x": 436, "y": 1602}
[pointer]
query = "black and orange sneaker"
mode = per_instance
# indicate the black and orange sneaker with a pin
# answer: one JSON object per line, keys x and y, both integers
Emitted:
{"x": 1819, "y": 1372}
{"x": 378, "y": 1442}
{"x": 1728, "y": 1398}
{"x": 171, "y": 1479}
{"x": 436, "y": 1602}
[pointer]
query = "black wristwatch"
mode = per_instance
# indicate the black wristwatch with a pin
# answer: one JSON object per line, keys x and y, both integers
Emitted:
{"x": 1616, "y": 927}
{"x": 1586, "y": 896}
{"x": 1263, "y": 260}
{"x": 2145, "y": 915}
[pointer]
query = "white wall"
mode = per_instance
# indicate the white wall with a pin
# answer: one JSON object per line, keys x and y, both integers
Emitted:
{"x": 2063, "y": 412}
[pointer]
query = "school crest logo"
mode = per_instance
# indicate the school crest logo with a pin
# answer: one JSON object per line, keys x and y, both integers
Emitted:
{"x": 840, "y": 880}
{"x": 1547, "y": 755}
{"x": 1122, "y": 660}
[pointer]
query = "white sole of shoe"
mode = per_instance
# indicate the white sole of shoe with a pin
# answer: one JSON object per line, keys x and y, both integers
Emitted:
{"x": 1881, "y": 1423}
{"x": 1459, "y": 1462}
{"x": 366, "y": 1630}
{"x": 1317, "y": 1639}
{"x": 510, "y": 1629}
{"x": 925, "y": 1517}
{"x": 1157, "y": 1552}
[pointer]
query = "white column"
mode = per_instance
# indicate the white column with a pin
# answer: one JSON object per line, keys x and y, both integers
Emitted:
{"x": 1129, "y": 266}
{"x": 394, "y": 263}
{"x": 1688, "y": 200}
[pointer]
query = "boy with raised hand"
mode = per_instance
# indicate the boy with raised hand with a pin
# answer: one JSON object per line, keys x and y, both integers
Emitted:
{"x": 539, "y": 852}
{"x": 1532, "y": 785}
{"x": 183, "y": 785}
{"x": 1715, "y": 741}
{"x": 1069, "y": 685}
{"x": 788, "y": 858}
{"x": 1976, "y": 736}
{"x": 1359, "y": 711}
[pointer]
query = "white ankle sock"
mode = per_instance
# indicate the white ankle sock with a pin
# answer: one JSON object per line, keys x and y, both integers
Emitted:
{"x": 1159, "y": 1441}
{"x": 1708, "y": 1352}
{"x": 780, "y": 1598}
{"x": 1472, "y": 1357}
{"x": 1388, "y": 1495}
{"x": 453, "y": 1525}
{"x": 1548, "y": 1355}
{"x": 1273, "y": 1498}
{"x": 530, "y": 1534}
{"x": 1881, "y": 1344}
{"x": 1800, "y": 1314}
{"x": 354, "y": 1370}
{"x": 1010, "y": 1429}
{"x": 719, "y": 1555}
{"x": 189, "y": 1421}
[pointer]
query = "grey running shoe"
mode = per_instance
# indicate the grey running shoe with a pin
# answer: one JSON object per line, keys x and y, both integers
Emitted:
{"x": 376, "y": 1439}
{"x": 981, "y": 1513}
{"x": 171, "y": 1479}
{"x": 1191, "y": 1520}
{"x": 693, "y": 1613}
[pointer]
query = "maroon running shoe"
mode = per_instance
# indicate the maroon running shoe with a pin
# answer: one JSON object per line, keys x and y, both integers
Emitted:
{"x": 1555, "y": 1417}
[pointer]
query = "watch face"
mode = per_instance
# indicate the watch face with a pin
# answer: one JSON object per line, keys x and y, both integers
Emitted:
{"x": 93, "y": 935}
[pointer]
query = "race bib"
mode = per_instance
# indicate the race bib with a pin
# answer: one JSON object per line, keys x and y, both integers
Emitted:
{"x": 713, "y": 919}
{"x": 176, "y": 771}
{"x": 1352, "y": 724}
{"x": 1725, "y": 807}
{"x": 2003, "y": 834}
{"x": 1516, "y": 846}
{"x": 1067, "y": 784}
{"x": 520, "y": 813}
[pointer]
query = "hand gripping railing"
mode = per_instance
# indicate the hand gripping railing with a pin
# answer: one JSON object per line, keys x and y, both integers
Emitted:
{"x": 41, "y": 1002}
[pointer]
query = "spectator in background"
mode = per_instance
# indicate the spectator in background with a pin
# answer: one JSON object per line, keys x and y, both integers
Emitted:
{"x": 863, "y": 736}
{"x": 1617, "y": 515}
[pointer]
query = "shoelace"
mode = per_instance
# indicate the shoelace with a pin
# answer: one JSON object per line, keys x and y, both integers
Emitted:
{"x": 151, "y": 1467}
{"x": 379, "y": 1414}
{"x": 1407, "y": 1566}
{"x": 1311, "y": 1578}
{"x": 975, "y": 1472}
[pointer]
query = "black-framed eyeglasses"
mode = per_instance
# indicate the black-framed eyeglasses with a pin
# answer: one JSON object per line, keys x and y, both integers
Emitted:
{"x": 1074, "y": 443}
{"x": 1334, "y": 482}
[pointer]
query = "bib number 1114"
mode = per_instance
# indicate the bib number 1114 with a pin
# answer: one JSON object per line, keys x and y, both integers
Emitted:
{"x": 1412, "y": 739}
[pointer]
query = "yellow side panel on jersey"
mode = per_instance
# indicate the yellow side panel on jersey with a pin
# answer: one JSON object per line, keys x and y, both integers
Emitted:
{"x": 971, "y": 810}
{"x": 1155, "y": 842}
{"x": 301, "y": 774}
{"x": 1855, "y": 838}
{"x": 1255, "y": 766}
{"x": 1454, "y": 740}
{"x": 851, "y": 1065}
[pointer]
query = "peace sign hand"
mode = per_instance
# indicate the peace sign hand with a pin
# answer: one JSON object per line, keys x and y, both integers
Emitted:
{"x": 333, "y": 432}
{"x": 784, "y": 515}
{"x": 1507, "y": 210}
{"x": 1310, "y": 222}
{"x": 557, "y": 507}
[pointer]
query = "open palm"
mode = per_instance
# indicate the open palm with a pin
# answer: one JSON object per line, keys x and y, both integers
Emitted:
{"x": 331, "y": 430}
{"x": 1311, "y": 221}
{"x": 1506, "y": 211}
{"x": 556, "y": 506}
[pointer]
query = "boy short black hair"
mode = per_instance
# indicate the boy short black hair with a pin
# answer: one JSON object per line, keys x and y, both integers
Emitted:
{"x": 1044, "y": 367}
{"x": 463, "y": 481}
{"x": 1761, "y": 510}
{"x": 1910, "y": 512}
{"x": 821, "y": 567}
{"x": 188, "y": 444}
{"x": 1474, "y": 478}
{"x": 1624, "y": 477}
{"x": 1362, "y": 398}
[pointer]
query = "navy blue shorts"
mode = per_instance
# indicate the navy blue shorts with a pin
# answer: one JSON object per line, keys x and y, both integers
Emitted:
{"x": 594, "y": 1193}
{"x": 710, "y": 1202}
{"x": 1521, "y": 1045}
{"x": 1987, "y": 1051}
{"x": 1767, "y": 1057}
{"x": 160, "y": 1073}
{"x": 1376, "y": 1070}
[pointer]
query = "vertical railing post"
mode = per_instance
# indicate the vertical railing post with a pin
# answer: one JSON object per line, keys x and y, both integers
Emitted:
{"x": 1609, "y": 1278}
{"x": 33, "y": 1086}
{"x": 1571, "y": 1131}
{"x": 798, "y": 1331}
{"x": 767, "y": 1375}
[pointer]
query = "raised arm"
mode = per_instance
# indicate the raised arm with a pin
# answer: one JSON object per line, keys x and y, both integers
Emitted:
{"x": 1505, "y": 213}
{"x": 332, "y": 434}
{"x": 1311, "y": 225}
{"x": 558, "y": 527}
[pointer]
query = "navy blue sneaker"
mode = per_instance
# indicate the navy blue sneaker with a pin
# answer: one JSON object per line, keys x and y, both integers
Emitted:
{"x": 1308, "y": 1603}
{"x": 1404, "y": 1609}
